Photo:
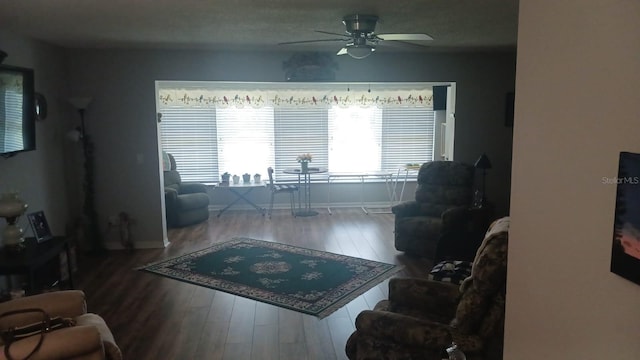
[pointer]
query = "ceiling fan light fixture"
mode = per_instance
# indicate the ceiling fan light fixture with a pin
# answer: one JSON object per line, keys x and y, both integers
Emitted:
{"x": 360, "y": 51}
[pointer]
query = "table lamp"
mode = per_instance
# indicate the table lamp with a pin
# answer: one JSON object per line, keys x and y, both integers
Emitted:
{"x": 482, "y": 163}
{"x": 11, "y": 207}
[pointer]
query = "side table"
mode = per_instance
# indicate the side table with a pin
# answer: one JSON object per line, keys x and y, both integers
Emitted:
{"x": 34, "y": 256}
{"x": 460, "y": 242}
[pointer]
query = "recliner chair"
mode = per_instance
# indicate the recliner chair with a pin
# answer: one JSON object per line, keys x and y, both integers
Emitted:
{"x": 443, "y": 187}
{"x": 423, "y": 317}
{"x": 185, "y": 203}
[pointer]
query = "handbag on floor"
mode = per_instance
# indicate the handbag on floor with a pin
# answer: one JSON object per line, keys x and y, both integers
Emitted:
{"x": 47, "y": 324}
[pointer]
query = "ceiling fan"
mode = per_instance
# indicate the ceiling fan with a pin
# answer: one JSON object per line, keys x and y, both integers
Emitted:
{"x": 361, "y": 37}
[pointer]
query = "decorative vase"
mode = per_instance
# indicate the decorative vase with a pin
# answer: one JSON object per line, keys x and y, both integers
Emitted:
{"x": 246, "y": 178}
{"x": 11, "y": 207}
{"x": 304, "y": 166}
{"x": 225, "y": 179}
{"x": 256, "y": 178}
{"x": 236, "y": 179}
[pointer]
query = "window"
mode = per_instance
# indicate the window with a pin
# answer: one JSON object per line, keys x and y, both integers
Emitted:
{"x": 355, "y": 139}
{"x": 11, "y": 106}
{"x": 245, "y": 140}
{"x": 212, "y": 135}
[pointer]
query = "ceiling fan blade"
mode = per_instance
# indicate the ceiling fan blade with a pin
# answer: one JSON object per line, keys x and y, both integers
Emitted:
{"x": 405, "y": 37}
{"x": 405, "y": 44}
{"x": 332, "y": 33}
{"x": 342, "y": 51}
{"x": 308, "y": 41}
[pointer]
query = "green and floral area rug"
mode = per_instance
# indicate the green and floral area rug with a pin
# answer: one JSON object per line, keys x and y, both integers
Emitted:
{"x": 309, "y": 281}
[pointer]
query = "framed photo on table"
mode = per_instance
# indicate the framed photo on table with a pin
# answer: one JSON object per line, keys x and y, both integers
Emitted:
{"x": 39, "y": 226}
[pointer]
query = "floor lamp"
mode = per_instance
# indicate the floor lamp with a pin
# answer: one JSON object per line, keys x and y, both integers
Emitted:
{"x": 92, "y": 230}
{"x": 484, "y": 164}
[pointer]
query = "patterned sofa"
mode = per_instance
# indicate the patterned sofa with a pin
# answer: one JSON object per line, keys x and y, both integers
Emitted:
{"x": 422, "y": 318}
{"x": 443, "y": 186}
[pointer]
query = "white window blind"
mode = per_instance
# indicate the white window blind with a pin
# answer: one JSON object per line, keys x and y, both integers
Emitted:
{"x": 245, "y": 140}
{"x": 11, "y": 107}
{"x": 355, "y": 136}
{"x": 407, "y": 136}
{"x": 207, "y": 141}
{"x": 189, "y": 134}
{"x": 300, "y": 131}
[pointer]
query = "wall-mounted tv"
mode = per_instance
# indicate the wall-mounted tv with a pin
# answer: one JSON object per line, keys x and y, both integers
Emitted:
{"x": 17, "y": 110}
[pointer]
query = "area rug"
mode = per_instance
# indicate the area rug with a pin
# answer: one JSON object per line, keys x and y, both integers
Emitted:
{"x": 308, "y": 281}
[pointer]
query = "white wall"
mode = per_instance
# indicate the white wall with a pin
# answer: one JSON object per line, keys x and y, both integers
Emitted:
{"x": 577, "y": 104}
{"x": 40, "y": 175}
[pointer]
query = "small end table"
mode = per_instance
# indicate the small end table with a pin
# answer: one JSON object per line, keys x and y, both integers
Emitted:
{"x": 34, "y": 256}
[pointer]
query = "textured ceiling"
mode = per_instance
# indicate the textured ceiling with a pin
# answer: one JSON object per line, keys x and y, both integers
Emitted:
{"x": 258, "y": 24}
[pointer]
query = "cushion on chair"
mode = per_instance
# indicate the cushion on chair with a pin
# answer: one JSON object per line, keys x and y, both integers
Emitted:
{"x": 284, "y": 187}
{"x": 453, "y": 271}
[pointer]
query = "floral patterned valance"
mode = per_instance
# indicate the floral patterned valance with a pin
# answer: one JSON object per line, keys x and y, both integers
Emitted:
{"x": 295, "y": 98}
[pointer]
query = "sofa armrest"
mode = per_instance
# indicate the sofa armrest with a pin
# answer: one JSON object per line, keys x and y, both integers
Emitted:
{"x": 452, "y": 218}
{"x": 69, "y": 343}
{"x": 191, "y": 188}
{"x": 67, "y": 303}
{"x": 403, "y": 329}
{"x": 424, "y": 295}
{"x": 408, "y": 208}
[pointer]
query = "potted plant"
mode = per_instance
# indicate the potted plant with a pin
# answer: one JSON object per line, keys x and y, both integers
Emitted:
{"x": 256, "y": 178}
{"x": 304, "y": 160}
{"x": 236, "y": 179}
{"x": 246, "y": 178}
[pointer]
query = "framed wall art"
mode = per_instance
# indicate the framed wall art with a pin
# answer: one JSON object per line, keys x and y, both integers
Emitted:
{"x": 625, "y": 255}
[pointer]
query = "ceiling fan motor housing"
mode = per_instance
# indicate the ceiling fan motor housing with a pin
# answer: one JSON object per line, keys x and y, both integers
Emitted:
{"x": 360, "y": 23}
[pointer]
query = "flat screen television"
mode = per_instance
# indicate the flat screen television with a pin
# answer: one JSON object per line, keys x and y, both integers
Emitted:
{"x": 17, "y": 110}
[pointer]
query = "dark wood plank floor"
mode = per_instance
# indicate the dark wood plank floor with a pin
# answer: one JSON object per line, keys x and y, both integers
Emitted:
{"x": 153, "y": 317}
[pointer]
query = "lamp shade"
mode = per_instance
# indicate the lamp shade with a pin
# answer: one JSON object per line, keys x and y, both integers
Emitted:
{"x": 360, "y": 51}
{"x": 483, "y": 162}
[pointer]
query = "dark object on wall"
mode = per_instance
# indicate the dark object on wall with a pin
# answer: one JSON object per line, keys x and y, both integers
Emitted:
{"x": 509, "y": 108}
{"x": 3, "y": 55}
{"x": 17, "y": 117}
{"x": 440, "y": 97}
{"x": 625, "y": 255}
{"x": 312, "y": 66}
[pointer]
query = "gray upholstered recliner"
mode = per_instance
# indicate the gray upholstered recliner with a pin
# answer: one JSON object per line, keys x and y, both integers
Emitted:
{"x": 422, "y": 317}
{"x": 185, "y": 203}
{"x": 443, "y": 186}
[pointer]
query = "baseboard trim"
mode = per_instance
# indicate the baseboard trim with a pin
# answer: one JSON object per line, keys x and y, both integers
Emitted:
{"x": 369, "y": 205}
{"x": 136, "y": 245}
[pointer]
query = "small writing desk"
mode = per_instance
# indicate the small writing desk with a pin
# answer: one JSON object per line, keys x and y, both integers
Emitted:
{"x": 386, "y": 176}
{"x": 241, "y": 190}
{"x": 407, "y": 169}
{"x": 34, "y": 256}
{"x": 304, "y": 183}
